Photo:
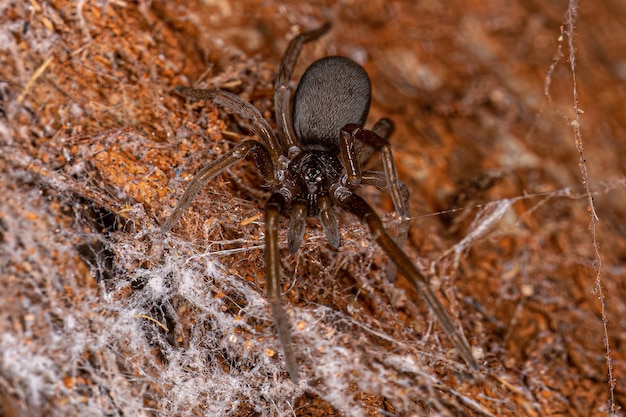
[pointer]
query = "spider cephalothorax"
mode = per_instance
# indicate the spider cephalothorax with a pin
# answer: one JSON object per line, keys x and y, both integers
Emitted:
{"x": 315, "y": 165}
{"x": 310, "y": 175}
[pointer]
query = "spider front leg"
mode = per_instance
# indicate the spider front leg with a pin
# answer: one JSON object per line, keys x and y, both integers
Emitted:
{"x": 244, "y": 150}
{"x": 275, "y": 205}
{"x": 357, "y": 206}
{"x": 265, "y": 153}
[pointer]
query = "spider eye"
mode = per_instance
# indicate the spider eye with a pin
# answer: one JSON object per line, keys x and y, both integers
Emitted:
{"x": 313, "y": 175}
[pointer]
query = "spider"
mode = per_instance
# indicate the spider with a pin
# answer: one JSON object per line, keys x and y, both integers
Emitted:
{"x": 314, "y": 165}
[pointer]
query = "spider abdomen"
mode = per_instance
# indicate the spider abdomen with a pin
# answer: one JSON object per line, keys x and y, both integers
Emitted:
{"x": 333, "y": 92}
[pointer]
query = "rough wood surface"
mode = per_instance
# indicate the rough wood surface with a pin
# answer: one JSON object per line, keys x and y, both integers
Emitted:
{"x": 100, "y": 315}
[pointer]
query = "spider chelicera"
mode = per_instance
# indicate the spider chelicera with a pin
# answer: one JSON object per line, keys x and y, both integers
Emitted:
{"x": 315, "y": 164}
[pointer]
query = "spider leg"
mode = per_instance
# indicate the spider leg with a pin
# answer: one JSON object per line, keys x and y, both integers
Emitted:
{"x": 234, "y": 103}
{"x": 351, "y": 136}
{"x": 348, "y": 156}
{"x": 357, "y": 206}
{"x": 282, "y": 93}
{"x": 209, "y": 171}
{"x": 273, "y": 208}
{"x": 383, "y": 128}
{"x": 379, "y": 180}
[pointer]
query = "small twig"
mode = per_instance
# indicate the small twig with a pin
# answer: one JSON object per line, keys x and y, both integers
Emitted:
{"x": 32, "y": 80}
{"x": 143, "y": 316}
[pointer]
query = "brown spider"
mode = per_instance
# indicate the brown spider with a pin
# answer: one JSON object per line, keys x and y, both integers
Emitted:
{"x": 315, "y": 164}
